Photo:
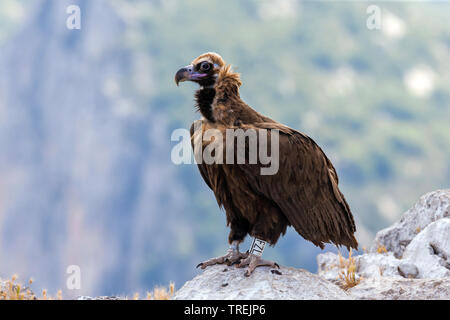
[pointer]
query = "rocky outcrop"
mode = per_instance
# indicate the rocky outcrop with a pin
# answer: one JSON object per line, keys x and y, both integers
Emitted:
{"x": 430, "y": 250}
{"x": 418, "y": 246}
{"x": 431, "y": 207}
{"x": 224, "y": 283}
{"x": 409, "y": 260}
{"x": 229, "y": 283}
{"x": 401, "y": 289}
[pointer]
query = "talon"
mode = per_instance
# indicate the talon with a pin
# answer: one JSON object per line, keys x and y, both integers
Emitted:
{"x": 232, "y": 256}
{"x": 253, "y": 261}
{"x": 235, "y": 262}
{"x": 276, "y": 272}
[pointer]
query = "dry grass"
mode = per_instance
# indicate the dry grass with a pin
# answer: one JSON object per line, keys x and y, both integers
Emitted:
{"x": 381, "y": 268}
{"x": 381, "y": 249}
{"x": 347, "y": 274}
{"x": 161, "y": 293}
{"x": 12, "y": 290}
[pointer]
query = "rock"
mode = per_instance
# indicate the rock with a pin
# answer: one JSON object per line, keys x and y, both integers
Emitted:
{"x": 225, "y": 283}
{"x": 408, "y": 270}
{"x": 378, "y": 265}
{"x": 418, "y": 246}
{"x": 430, "y": 250}
{"x": 370, "y": 265}
{"x": 431, "y": 207}
{"x": 401, "y": 289}
{"x": 415, "y": 260}
{"x": 328, "y": 266}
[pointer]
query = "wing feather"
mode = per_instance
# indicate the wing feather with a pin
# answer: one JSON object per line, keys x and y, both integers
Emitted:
{"x": 305, "y": 188}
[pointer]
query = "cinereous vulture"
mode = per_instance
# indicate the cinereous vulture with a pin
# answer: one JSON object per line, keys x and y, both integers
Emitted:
{"x": 302, "y": 193}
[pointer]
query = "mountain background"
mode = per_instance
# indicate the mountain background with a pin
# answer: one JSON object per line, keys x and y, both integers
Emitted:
{"x": 86, "y": 118}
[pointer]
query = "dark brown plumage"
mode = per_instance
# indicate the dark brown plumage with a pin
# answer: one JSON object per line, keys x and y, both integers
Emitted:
{"x": 303, "y": 193}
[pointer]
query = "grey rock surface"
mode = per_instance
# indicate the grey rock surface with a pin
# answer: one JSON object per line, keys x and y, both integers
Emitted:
{"x": 328, "y": 266}
{"x": 418, "y": 246}
{"x": 401, "y": 289}
{"x": 414, "y": 266}
{"x": 417, "y": 262}
{"x": 297, "y": 284}
{"x": 431, "y": 207}
{"x": 408, "y": 270}
{"x": 378, "y": 265}
{"x": 224, "y": 283}
{"x": 430, "y": 250}
{"x": 370, "y": 265}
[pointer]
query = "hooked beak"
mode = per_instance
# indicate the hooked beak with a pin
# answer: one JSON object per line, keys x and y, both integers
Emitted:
{"x": 188, "y": 74}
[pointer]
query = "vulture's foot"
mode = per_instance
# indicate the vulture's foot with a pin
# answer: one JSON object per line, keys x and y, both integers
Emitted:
{"x": 233, "y": 256}
{"x": 253, "y": 261}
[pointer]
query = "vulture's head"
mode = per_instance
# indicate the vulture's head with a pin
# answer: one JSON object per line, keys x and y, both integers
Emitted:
{"x": 204, "y": 70}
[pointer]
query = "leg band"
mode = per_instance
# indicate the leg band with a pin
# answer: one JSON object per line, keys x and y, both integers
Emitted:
{"x": 257, "y": 247}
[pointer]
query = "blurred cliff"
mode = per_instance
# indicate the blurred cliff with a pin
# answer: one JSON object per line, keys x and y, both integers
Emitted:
{"x": 86, "y": 117}
{"x": 86, "y": 172}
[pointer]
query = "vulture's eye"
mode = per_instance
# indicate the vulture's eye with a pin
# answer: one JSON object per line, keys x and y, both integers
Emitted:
{"x": 205, "y": 66}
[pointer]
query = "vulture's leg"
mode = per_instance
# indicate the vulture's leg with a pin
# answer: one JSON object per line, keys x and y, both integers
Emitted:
{"x": 254, "y": 258}
{"x": 239, "y": 229}
{"x": 231, "y": 257}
